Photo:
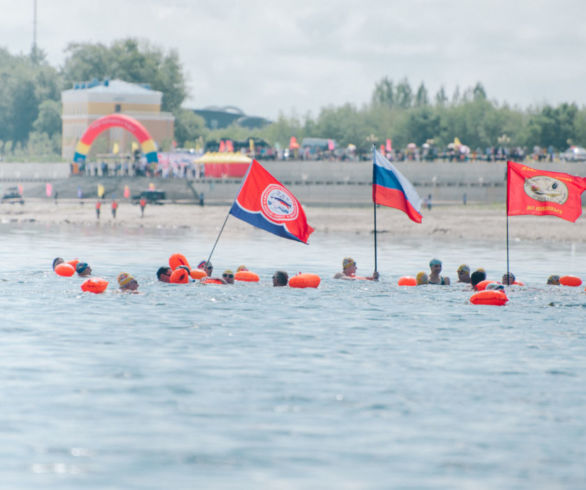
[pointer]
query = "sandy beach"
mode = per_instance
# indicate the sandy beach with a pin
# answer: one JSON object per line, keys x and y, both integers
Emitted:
{"x": 472, "y": 222}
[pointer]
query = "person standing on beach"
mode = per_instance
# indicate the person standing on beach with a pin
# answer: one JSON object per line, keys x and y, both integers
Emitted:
{"x": 98, "y": 206}
{"x": 142, "y": 206}
{"x": 114, "y": 208}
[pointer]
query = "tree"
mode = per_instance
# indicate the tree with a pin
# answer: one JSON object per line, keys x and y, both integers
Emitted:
{"x": 130, "y": 60}
{"x": 421, "y": 97}
{"x": 188, "y": 126}
{"x": 49, "y": 118}
{"x": 404, "y": 94}
{"x": 384, "y": 93}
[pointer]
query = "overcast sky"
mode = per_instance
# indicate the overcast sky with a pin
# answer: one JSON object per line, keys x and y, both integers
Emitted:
{"x": 297, "y": 56}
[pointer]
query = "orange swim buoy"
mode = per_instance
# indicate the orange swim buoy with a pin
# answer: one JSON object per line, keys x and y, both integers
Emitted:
{"x": 481, "y": 286}
{"x": 247, "y": 276}
{"x": 210, "y": 280}
{"x": 407, "y": 281}
{"x": 518, "y": 283}
{"x": 179, "y": 276}
{"x": 178, "y": 259}
{"x": 94, "y": 285}
{"x": 65, "y": 270}
{"x": 572, "y": 281}
{"x": 496, "y": 298}
{"x": 197, "y": 274}
{"x": 305, "y": 280}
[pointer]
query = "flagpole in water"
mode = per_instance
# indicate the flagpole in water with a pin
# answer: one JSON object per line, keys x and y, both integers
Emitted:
{"x": 219, "y": 234}
{"x": 374, "y": 212}
{"x": 507, "y": 211}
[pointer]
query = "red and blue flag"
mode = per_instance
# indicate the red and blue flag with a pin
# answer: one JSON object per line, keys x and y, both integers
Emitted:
{"x": 266, "y": 203}
{"x": 391, "y": 188}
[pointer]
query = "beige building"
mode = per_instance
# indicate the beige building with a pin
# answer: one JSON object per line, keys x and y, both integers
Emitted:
{"x": 89, "y": 101}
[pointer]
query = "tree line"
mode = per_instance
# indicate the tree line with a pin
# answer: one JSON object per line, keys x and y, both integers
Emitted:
{"x": 30, "y": 108}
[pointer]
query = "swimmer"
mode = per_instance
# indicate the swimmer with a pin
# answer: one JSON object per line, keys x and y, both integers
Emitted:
{"x": 83, "y": 269}
{"x": 508, "y": 279}
{"x": 463, "y": 274}
{"x": 349, "y": 267}
{"x": 421, "y": 279}
{"x": 228, "y": 277}
{"x": 207, "y": 267}
{"x": 57, "y": 261}
{"x": 280, "y": 278}
{"x": 241, "y": 268}
{"x": 164, "y": 274}
{"x": 553, "y": 280}
{"x": 476, "y": 277}
{"x": 434, "y": 277}
{"x": 127, "y": 282}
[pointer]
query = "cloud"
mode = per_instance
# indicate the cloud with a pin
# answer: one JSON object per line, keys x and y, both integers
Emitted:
{"x": 300, "y": 56}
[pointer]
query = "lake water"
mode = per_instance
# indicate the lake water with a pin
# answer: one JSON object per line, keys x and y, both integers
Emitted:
{"x": 353, "y": 385}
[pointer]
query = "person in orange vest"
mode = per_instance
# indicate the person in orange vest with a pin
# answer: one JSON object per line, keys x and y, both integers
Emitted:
{"x": 114, "y": 208}
{"x": 98, "y": 206}
{"x": 142, "y": 206}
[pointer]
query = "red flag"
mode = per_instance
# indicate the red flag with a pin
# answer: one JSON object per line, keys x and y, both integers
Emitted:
{"x": 538, "y": 192}
{"x": 266, "y": 203}
{"x": 222, "y": 148}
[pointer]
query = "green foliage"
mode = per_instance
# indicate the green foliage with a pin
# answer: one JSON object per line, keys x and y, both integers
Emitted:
{"x": 188, "y": 126}
{"x": 130, "y": 60}
{"x": 49, "y": 118}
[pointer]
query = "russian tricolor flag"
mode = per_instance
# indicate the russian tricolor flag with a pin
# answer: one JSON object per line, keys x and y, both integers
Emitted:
{"x": 391, "y": 188}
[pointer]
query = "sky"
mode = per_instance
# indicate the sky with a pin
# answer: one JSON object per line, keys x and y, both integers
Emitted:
{"x": 296, "y": 57}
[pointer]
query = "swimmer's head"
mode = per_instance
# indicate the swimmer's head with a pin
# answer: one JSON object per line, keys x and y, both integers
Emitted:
{"x": 83, "y": 269}
{"x": 508, "y": 278}
{"x": 477, "y": 276}
{"x": 206, "y": 266}
{"x": 348, "y": 262}
{"x": 463, "y": 269}
{"x": 164, "y": 273}
{"x": 127, "y": 282}
{"x": 241, "y": 268}
{"x": 553, "y": 280}
{"x": 228, "y": 276}
{"x": 421, "y": 278}
{"x": 434, "y": 263}
{"x": 280, "y": 278}
{"x": 57, "y": 261}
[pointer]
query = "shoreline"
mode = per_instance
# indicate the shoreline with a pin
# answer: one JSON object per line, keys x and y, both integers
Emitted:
{"x": 447, "y": 222}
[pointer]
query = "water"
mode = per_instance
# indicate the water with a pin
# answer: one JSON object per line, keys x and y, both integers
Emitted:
{"x": 353, "y": 385}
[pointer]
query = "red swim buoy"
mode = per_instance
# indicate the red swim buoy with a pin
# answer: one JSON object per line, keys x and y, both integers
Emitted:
{"x": 496, "y": 298}
{"x": 179, "y": 276}
{"x": 210, "y": 280}
{"x": 178, "y": 259}
{"x": 247, "y": 276}
{"x": 481, "y": 286}
{"x": 304, "y": 280}
{"x": 407, "y": 281}
{"x": 94, "y": 285}
{"x": 65, "y": 270}
{"x": 73, "y": 263}
{"x": 518, "y": 283}
{"x": 572, "y": 281}
{"x": 197, "y": 273}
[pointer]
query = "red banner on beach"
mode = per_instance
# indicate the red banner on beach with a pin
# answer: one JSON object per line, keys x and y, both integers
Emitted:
{"x": 538, "y": 192}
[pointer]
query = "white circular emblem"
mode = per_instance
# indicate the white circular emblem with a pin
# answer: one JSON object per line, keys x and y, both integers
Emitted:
{"x": 278, "y": 203}
{"x": 546, "y": 189}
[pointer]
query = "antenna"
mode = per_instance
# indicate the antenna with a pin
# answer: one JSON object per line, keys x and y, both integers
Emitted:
{"x": 34, "y": 27}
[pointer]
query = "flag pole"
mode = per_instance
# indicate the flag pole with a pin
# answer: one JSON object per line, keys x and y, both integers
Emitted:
{"x": 216, "y": 242}
{"x": 507, "y": 211}
{"x": 374, "y": 213}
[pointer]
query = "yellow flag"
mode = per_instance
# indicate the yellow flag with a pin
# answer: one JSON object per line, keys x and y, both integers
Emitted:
{"x": 457, "y": 142}
{"x": 115, "y": 149}
{"x": 101, "y": 191}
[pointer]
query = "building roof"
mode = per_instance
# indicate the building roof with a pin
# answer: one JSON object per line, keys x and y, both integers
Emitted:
{"x": 112, "y": 90}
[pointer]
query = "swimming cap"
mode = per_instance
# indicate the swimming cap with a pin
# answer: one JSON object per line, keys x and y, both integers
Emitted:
{"x": 241, "y": 268}
{"x": 421, "y": 278}
{"x": 348, "y": 262}
{"x": 433, "y": 262}
{"x": 56, "y": 261}
{"x": 203, "y": 263}
{"x": 80, "y": 267}
{"x": 464, "y": 268}
{"x": 124, "y": 278}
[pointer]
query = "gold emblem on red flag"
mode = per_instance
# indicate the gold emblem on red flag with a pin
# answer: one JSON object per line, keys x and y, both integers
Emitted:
{"x": 546, "y": 189}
